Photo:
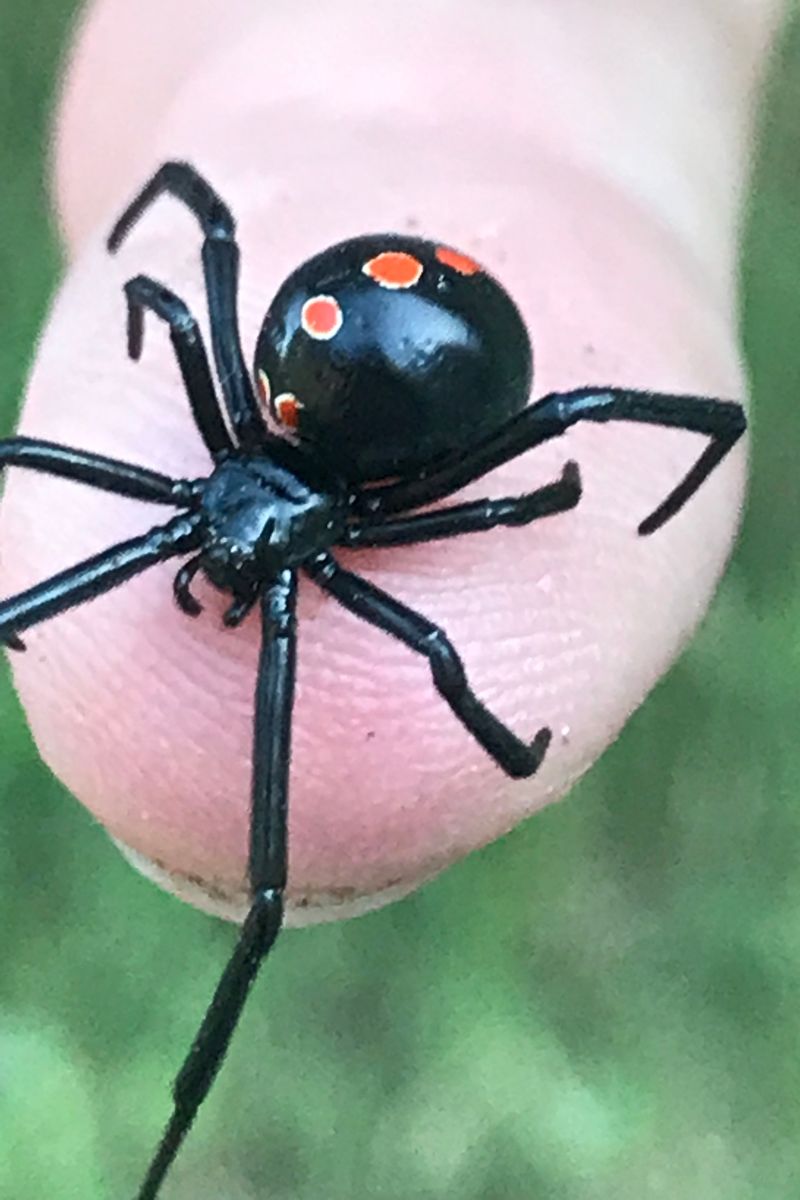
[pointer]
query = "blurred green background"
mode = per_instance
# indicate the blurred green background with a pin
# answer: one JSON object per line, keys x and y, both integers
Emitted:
{"x": 605, "y": 1005}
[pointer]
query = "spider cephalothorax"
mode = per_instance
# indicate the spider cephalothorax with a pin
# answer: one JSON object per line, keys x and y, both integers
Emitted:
{"x": 388, "y": 359}
{"x": 262, "y": 514}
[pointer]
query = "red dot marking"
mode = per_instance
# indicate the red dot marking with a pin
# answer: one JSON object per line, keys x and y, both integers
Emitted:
{"x": 394, "y": 269}
{"x": 287, "y": 409}
{"x": 459, "y": 262}
{"x": 321, "y": 317}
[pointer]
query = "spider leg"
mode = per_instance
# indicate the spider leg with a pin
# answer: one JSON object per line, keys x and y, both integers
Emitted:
{"x": 109, "y": 474}
{"x": 221, "y": 270}
{"x": 721, "y": 420}
{"x": 181, "y": 587}
{"x": 266, "y": 871}
{"x": 98, "y": 574}
{"x": 517, "y": 758}
{"x": 239, "y": 609}
{"x": 475, "y": 517}
{"x": 143, "y": 293}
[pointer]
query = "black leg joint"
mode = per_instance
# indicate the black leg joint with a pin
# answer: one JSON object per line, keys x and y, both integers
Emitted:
{"x": 266, "y": 918}
{"x": 143, "y": 293}
{"x": 517, "y": 758}
{"x": 181, "y": 180}
{"x": 446, "y": 665}
{"x": 259, "y": 931}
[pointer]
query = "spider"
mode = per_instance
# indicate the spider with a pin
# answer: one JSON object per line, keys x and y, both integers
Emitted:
{"x": 390, "y": 371}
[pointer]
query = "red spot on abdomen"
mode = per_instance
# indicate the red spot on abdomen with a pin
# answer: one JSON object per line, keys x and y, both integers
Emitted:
{"x": 321, "y": 317}
{"x": 394, "y": 269}
{"x": 458, "y": 261}
{"x": 287, "y": 409}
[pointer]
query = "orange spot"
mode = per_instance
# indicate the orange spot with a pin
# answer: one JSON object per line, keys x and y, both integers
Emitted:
{"x": 394, "y": 269}
{"x": 264, "y": 389}
{"x": 459, "y": 262}
{"x": 321, "y": 317}
{"x": 287, "y": 409}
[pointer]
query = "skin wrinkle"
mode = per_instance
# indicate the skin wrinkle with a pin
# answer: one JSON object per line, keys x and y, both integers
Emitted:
{"x": 551, "y": 205}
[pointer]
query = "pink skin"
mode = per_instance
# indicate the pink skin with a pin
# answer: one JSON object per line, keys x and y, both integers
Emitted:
{"x": 602, "y": 194}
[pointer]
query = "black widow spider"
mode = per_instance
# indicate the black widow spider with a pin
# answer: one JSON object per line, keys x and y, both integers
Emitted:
{"x": 392, "y": 371}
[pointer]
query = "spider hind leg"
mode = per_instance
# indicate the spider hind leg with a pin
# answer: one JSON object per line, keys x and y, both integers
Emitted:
{"x": 517, "y": 758}
{"x": 723, "y": 421}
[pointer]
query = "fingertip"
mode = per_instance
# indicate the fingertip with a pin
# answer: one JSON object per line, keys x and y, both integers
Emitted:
{"x": 125, "y": 696}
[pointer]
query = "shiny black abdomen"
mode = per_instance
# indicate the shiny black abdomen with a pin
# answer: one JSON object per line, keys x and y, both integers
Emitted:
{"x": 388, "y": 352}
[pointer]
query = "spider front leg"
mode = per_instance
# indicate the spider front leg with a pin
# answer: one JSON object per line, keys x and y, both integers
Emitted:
{"x": 221, "y": 269}
{"x": 517, "y": 758}
{"x": 722, "y": 420}
{"x": 475, "y": 517}
{"x": 108, "y": 474}
{"x": 266, "y": 870}
{"x": 187, "y": 341}
{"x": 98, "y": 574}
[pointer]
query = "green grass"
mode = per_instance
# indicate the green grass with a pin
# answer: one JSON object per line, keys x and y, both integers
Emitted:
{"x": 601, "y": 1007}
